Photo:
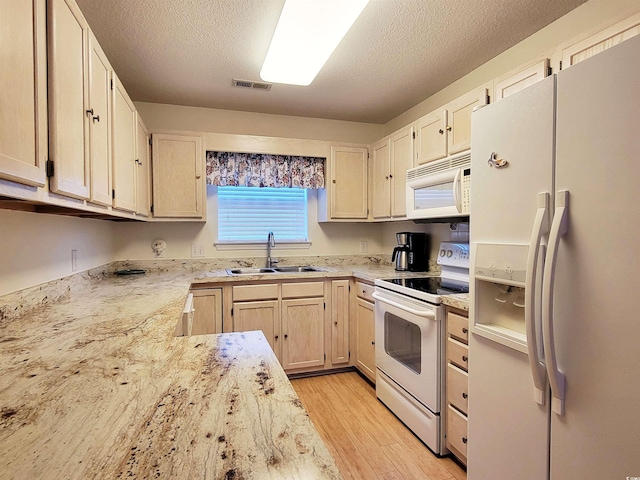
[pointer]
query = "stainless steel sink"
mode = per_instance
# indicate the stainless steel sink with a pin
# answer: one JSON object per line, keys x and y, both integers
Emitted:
{"x": 283, "y": 269}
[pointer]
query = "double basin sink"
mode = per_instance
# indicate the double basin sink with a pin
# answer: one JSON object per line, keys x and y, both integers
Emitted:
{"x": 284, "y": 269}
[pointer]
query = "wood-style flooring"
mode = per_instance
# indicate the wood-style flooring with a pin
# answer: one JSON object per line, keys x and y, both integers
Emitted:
{"x": 366, "y": 440}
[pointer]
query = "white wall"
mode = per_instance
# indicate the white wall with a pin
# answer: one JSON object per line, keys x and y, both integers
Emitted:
{"x": 36, "y": 247}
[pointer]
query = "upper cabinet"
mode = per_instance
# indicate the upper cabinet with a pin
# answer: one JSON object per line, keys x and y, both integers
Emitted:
{"x": 143, "y": 168}
{"x": 448, "y": 130}
{"x": 23, "y": 84}
{"x": 521, "y": 78}
{"x": 347, "y": 182}
{"x": 69, "y": 114}
{"x": 601, "y": 41}
{"x": 124, "y": 148}
{"x": 179, "y": 190}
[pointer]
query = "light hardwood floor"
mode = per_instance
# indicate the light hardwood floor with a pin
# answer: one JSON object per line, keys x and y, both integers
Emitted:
{"x": 366, "y": 440}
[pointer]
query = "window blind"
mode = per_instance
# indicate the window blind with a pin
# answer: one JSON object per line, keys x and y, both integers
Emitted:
{"x": 247, "y": 214}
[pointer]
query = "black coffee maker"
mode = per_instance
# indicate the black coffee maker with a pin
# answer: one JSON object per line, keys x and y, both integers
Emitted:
{"x": 412, "y": 253}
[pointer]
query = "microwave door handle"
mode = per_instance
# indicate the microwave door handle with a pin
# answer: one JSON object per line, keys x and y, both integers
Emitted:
{"x": 456, "y": 190}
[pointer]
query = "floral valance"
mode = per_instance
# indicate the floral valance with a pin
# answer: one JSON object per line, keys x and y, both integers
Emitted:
{"x": 260, "y": 170}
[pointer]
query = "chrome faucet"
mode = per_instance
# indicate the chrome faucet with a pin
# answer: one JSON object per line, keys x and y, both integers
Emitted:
{"x": 271, "y": 242}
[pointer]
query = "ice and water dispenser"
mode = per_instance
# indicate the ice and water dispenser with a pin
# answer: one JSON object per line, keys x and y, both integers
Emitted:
{"x": 498, "y": 297}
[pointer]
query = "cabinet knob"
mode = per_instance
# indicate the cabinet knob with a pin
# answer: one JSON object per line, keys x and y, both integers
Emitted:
{"x": 387, "y": 177}
{"x": 198, "y": 177}
{"x": 286, "y": 336}
{"x": 464, "y": 358}
{"x": 333, "y": 181}
{"x": 465, "y": 330}
{"x": 276, "y": 337}
{"x": 464, "y": 395}
{"x": 373, "y": 343}
{"x": 96, "y": 118}
{"x": 448, "y": 128}
{"x": 390, "y": 176}
{"x": 335, "y": 323}
{"x": 464, "y": 439}
{"x": 441, "y": 131}
{"x": 90, "y": 111}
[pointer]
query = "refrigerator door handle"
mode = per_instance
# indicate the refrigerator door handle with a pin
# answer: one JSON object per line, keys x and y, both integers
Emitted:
{"x": 456, "y": 191}
{"x": 559, "y": 227}
{"x": 540, "y": 228}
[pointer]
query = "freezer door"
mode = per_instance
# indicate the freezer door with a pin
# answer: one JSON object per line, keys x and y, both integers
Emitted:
{"x": 596, "y": 319}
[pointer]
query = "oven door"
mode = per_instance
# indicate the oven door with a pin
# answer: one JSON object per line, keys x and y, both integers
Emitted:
{"x": 409, "y": 345}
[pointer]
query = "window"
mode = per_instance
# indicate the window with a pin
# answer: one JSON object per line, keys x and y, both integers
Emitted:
{"x": 247, "y": 214}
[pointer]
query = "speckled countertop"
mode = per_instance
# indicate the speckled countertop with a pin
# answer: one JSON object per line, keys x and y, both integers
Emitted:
{"x": 95, "y": 385}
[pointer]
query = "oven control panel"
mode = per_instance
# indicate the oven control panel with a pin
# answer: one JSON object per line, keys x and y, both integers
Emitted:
{"x": 454, "y": 254}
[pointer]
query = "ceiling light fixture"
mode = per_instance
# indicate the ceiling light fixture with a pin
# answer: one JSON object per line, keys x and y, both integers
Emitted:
{"x": 307, "y": 33}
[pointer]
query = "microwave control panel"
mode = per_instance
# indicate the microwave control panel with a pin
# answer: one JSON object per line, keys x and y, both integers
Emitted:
{"x": 465, "y": 187}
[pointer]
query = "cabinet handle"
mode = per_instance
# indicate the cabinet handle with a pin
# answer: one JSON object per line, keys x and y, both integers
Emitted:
{"x": 373, "y": 343}
{"x": 286, "y": 336}
{"x": 333, "y": 181}
{"x": 465, "y": 330}
{"x": 464, "y": 395}
{"x": 90, "y": 111}
{"x": 464, "y": 358}
{"x": 96, "y": 118}
{"x": 276, "y": 337}
{"x": 198, "y": 177}
{"x": 390, "y": 176}
{"x": 448, "y": 128}
{"x": 335, "y": 323}
{"x": 441, "y": 131}
{"x": 464, "y": 439}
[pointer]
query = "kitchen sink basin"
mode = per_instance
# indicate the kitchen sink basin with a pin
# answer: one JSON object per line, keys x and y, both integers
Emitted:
{"x": 283, "y": 269}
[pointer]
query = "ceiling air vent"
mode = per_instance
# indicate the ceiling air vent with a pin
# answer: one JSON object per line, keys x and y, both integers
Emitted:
{"x": 250, "y": 84}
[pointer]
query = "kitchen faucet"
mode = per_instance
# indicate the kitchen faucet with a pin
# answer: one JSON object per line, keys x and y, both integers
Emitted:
{"x": 271, "y": 242}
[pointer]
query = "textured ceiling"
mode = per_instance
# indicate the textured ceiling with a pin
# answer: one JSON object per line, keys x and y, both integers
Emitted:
{"x": 399, "y": 52}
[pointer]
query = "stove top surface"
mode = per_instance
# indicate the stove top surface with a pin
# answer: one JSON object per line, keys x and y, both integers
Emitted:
{"x": 425, "y": 288}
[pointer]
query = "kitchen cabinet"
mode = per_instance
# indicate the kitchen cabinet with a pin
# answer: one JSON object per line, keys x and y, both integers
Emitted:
{"x": 389, "y": 166}
{"x": 178, "y": 177}
{"x": 99, "y": 118}
{"x": 457, "y": 382}
{"x": 601, "y": 41}
{"x": 339, "y": 322}
{"x": 303, "y": 325}
{"x": 521, "y": 78}
{"x": 23, "y": 92}
{"x": 257, "y": 307}
{"x": 124, "y": 148}
{"x": 69, "y": 169}
{"x": 365, "y": 331}
{"x": 346, "y": 184}
{"x": 143, "y": 169}
{"x": 207, "y": 311}
{"x": 447, "y": 131}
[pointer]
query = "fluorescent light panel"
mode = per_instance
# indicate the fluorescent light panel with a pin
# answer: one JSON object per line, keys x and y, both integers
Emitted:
{"x": 307, "y": 33}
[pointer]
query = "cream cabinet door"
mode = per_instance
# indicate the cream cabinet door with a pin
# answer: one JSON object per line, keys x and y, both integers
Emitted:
{"x": 124, "y": 148}
{"x": 459, "y": 120}
{"x": 23, "y": 91}
{"x": 178, "y": 177}
{"x": 207, "y": 315}
{"x": 143, "y": 168}
{"x": 302, "y": 333}
{"x": 523, "y": 77}
{"x": 431, "y": 134}
{"x": 601, "y": 41}
{"x": 401, "y": 154}
{"x": 380, "y": 181}
{"x": 365, "y": 339}
{"x": 261, "y": 315}
{"x": 339, "y": 321}
{"x": 99, "y": 118}
{"x": 68, "y": 100}
{"x": 348, "y": 172}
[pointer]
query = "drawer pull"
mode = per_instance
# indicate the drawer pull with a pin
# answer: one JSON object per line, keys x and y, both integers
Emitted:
{"x": 464, "y": 439}
{"x": 464, "y": 358}
{"x": 464, "y": 395}
{"x": 465, "y": 330}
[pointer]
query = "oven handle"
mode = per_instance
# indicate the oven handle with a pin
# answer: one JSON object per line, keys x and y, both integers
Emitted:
{"x": 421, "y": 313}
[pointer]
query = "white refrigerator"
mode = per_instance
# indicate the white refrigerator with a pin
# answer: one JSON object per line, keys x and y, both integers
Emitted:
{"x": 554, "y": 352}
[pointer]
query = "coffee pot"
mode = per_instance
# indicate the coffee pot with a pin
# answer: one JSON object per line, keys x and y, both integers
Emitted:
{"x": 400, "y": 256}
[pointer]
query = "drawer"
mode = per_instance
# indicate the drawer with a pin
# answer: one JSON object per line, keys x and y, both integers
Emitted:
{"x": 458, "y": 388}
{"x": 458, "y": 326}
{"x": 302, "y": 289}
{"x": 255, "y": 292}
{"x": 458, "y": 353}
{"x": 364, "y": 290}
{"x": 457, "y": 430}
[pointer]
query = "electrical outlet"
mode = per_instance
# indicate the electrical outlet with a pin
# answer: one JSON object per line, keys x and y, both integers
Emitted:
{"x": 364, "y": 246}
{"x": 197, "y": 250}
{"x": 74, "y": 260}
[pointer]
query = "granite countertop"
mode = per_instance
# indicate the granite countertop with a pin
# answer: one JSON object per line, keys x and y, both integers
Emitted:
{"x": 458, "y": 300}
{"x": 95, "y": 385}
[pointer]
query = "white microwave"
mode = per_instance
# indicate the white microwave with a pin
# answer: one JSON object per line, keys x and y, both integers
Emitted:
{"x": 440, "y": 189}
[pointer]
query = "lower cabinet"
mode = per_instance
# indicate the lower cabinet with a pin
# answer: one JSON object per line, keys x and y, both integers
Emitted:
{"x": 302, "y": 333}
{"x": 457, "y": 382}
{"x": 365, "y": 331}
{"x": 207, "y": 315}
